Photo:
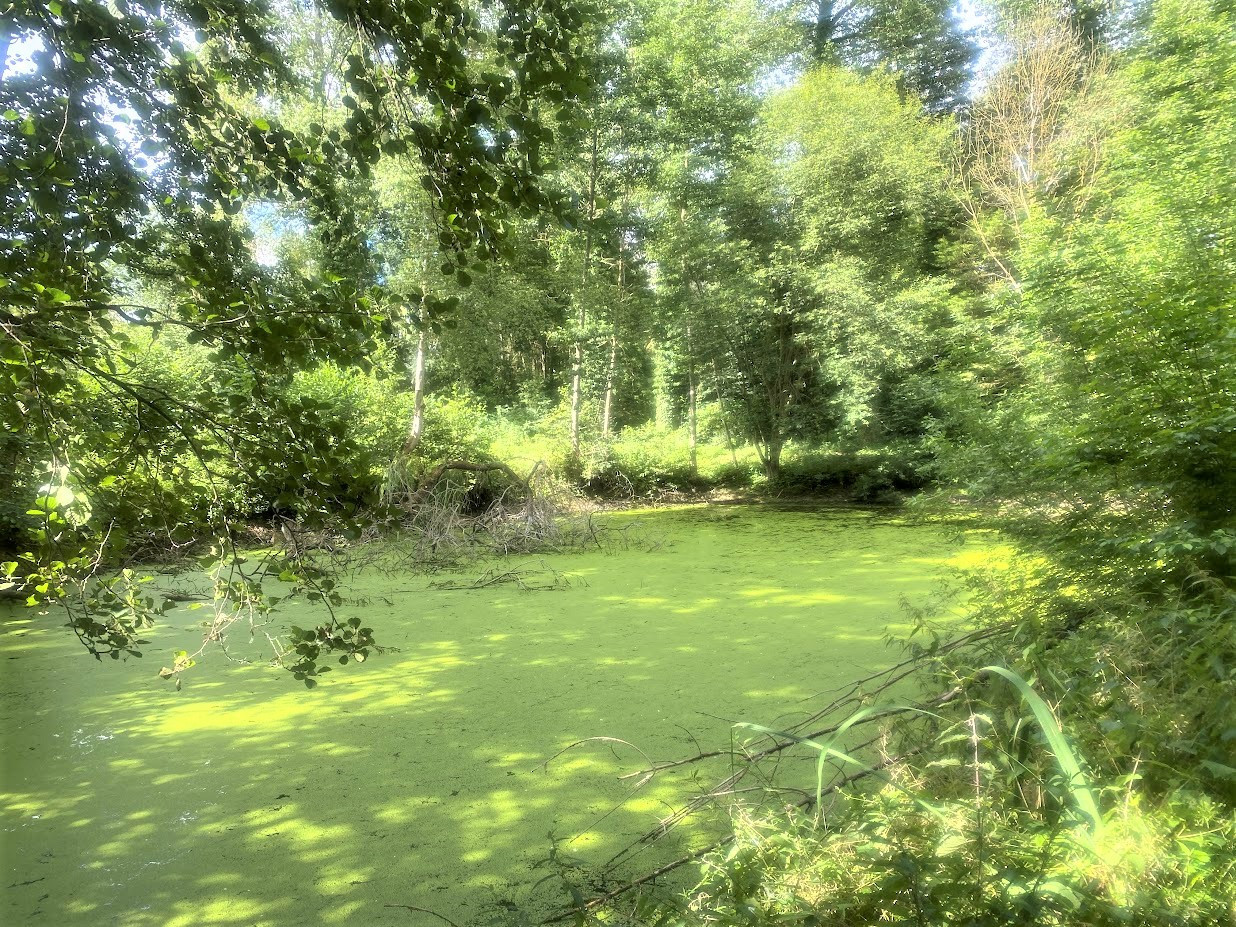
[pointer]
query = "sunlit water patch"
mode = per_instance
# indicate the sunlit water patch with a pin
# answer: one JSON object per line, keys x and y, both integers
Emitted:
{"x": 433, "y": 775}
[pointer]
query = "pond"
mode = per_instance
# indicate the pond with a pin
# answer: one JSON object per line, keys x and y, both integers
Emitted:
{"x": 430, "y": 776}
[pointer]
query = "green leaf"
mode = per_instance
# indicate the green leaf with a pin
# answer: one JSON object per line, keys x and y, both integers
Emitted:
{"x": 951, "y": 844}
{"x": 1219, "y": 769}
{"x": 1078, "y": 784}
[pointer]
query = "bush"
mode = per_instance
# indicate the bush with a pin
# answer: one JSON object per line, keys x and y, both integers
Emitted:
{"x": 648, "y": 460}
{"x": 876, "y": 475}
{"x": 882, "y": 859}
{"x": 989, "y": 817}
{"x": 456, "y": 426}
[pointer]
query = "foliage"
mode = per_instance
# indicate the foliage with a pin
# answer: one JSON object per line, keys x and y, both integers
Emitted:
{"x": 1090, "y": 408}
{"x": 882, "y": 857}
{"x": 1114, "y": 411}
{"x": 133, "y": 141}
{"x": 976, "y": 820}
{"x": 920, "y": 41}
{"x": 649, "y": 460}
{"x": 661, "y": 247}
{"x": 821, "y": 291}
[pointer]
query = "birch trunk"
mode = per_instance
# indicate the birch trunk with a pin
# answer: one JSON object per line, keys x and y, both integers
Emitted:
{"x": 418, "y": 395}
{"x": 577, "y": 365}
{"x": 725, "y": 419}
{"x": 692, "y": 416}
{"x": 612, "y": 369}
{"x": 607, "y": 412}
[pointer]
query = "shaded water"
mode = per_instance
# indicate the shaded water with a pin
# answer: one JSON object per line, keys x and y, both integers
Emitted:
{"x": 419, "y": 778}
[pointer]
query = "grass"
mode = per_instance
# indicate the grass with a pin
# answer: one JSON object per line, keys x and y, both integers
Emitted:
{"x": 428, "y": 776}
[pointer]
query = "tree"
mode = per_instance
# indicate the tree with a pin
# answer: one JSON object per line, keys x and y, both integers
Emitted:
{"x": 918, "y": 40}
{"x": 1111, "y": 419}
{"x": 828, "y": 283}
{"x": 697, "y": 70}
{"x": 133, "y": 141}
{"x": 1024, "y": 139}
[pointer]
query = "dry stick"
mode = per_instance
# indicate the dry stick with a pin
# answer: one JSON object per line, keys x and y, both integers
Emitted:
{"x": 967, "y": 638}
{"x": 807, "y": 802}
{"x": 836, "y": 704}
{"x": 914, "y": 665}
{"x": 556, "y": 580}
{"x": 726, "y": 786}
{"x": 610, "y": 741}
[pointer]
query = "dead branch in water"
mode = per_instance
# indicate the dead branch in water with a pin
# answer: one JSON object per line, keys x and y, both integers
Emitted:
{"x": 434, "y": 523}
{"x": 746, "y": 762}
{"x": 600, "y": 901}
{"x": 529, "y": 580}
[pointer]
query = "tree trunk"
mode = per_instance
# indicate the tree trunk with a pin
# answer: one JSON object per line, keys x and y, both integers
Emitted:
{"x": 692, "y": 428}
{"x": 725, "y": 419}
{"x": 612, "y": 369}
{"x": 607, "y": 412}
{"x": 772, "y": 460}
{"x": 823, "y": 30}
{"x": 577, "y": 372}
{"x": 10, "y": 461}
{"x": 418, "y": 389}
{"x": 692, "y": 416}
{"x": 577, "y": 365}
{"x": 782, "y": 391}
{"x": 417, "y": 427}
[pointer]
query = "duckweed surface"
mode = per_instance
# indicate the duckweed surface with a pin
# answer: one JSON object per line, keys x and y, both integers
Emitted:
{"x": 428, "y": 776}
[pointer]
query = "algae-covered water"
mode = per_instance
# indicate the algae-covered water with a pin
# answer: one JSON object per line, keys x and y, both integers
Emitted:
{"x": 421, "y": 777}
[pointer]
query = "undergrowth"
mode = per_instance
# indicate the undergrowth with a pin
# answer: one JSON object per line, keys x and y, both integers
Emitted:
{"x": 1092, "y": 785}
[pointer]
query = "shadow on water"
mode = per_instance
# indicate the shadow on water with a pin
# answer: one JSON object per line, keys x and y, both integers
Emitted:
{"x": 429, "y": 776}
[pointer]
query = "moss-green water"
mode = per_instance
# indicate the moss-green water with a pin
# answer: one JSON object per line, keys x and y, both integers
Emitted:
{"x": 419, "y": 777}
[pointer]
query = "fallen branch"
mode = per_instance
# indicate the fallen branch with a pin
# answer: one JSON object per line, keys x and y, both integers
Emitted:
{"x": 427, "y": 482}
{"x": 527, "y": 580}
{"x": 896, "y": 674}
{"x": 854, "y": 694}
{"x": 696, "y": 855}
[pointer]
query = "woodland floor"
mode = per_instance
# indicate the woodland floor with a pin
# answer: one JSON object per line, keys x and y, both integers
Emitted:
{"x": 421, "y": 778}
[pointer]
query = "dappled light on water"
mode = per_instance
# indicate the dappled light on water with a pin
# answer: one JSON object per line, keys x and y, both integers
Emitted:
{"x": 432, "y": 775}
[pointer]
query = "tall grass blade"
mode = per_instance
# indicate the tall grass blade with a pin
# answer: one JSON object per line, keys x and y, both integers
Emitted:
{"x": 1065, "y": 757}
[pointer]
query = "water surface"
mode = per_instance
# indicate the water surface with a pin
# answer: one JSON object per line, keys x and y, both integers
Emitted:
{"x": 420, "y": 778}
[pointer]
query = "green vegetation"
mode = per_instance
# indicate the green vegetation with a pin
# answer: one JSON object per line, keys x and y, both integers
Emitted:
{"x": 430, "y": 778}
{"x": 294, "y": 293}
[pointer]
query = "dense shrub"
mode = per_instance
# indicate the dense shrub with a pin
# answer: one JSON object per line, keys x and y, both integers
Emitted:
{"x": 883, "y": 858}
{"x": 882, "y": 474}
